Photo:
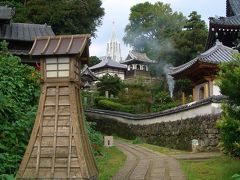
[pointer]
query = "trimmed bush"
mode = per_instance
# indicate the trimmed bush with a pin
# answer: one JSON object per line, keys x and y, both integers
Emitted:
{"x": 109, "y": 105}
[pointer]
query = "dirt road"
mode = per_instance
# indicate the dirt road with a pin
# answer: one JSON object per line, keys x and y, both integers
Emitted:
{"x": 143, "y": 164}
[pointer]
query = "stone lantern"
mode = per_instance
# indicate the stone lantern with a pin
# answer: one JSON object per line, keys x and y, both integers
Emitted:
{"x": 59, "y": 147}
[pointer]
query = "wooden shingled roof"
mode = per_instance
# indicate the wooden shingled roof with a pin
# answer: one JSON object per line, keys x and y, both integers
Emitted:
{"x": 59, "y": 45}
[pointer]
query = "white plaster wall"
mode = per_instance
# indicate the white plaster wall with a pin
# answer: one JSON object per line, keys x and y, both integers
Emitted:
{"x": 120, "y": 75}
{"x": 216, "y": 90}
{"x": 208, "y": 109}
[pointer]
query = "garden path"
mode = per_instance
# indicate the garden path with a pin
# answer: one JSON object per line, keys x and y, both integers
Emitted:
{"x": 144, "y": 164}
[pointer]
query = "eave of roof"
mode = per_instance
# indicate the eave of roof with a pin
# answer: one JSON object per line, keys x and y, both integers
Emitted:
{"x": 59, "y": 45}
{"x": 24, "y": 31}
{"x": 136, "y": 56}
{"x": 226, "y": 21}
{"x": 215, "y": 55}
{"x": 108, "y": 62}
{"x": 86, "y": 71}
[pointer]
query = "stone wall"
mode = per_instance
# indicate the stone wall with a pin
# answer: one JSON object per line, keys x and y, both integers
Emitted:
{"x": 174, "y": 134}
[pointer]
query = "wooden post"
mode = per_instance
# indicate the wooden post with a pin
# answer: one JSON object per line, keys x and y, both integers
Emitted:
{"x": 206, "y": 90}
{"x": 183, "y": 98}
{"x": 194, "y": 94}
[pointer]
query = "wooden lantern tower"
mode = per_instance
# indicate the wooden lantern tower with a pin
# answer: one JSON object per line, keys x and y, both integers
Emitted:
{"x": 59, "y": 147}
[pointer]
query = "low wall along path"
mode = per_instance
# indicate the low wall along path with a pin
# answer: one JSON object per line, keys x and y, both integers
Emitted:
{"x": 174, "y": 128}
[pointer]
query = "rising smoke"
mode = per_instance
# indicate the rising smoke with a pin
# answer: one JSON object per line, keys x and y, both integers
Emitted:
{"x": 169, "y": 78}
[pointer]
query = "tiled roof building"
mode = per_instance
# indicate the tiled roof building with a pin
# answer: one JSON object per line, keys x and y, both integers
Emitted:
{"x": 20, "y": 36}
{"x": 137, "y": 65}
{"x": 222, "y": 43}
{"x": 109, "y": 66}
{"x": 226, "y": 29}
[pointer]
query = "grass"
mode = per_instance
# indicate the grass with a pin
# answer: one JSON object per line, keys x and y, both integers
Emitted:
{"x": 163, "y": 150}
{"x": 219, "y": 168}
{"x": 110, "y": 162}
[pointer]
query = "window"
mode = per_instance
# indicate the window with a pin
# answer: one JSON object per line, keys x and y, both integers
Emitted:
{"x": 138, "y": 67}
{"x": 57, "y": 67}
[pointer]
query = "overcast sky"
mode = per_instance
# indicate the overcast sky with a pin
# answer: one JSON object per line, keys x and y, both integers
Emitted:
{"x": 119, "y": 10}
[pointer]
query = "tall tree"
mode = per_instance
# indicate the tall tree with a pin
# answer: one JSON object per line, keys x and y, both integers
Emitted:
{"x": 112, "y": 84}
{"x": 229, "y": 124}
{"x": 65, "y": 17}
{"x": 150, "y": 27}
{"x": 191, "y": 40}
{"x": 93, "y": 60}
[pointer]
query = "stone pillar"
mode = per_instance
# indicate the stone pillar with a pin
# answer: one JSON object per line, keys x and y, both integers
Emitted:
{"x": 108, "y": 141}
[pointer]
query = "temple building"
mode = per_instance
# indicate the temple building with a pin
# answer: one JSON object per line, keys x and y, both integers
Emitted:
{"x": 113, "y": 47}
{"x": 226, "y": 29}
{"x": 109, "y": 66}
{"x": 20, "y": 36}
{"x": 222, "y": 43}
{"x": 137, "y": 65}
{"x": 203, "y": 69}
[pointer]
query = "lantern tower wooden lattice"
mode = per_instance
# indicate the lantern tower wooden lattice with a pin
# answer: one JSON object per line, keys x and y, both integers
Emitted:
{"x": 59, "y": 147}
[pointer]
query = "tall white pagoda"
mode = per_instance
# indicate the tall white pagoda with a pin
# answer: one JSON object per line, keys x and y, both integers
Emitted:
{"x": 113, "y": 47}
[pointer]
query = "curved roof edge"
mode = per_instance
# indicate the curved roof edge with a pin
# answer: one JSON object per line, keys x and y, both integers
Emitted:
{"x": 215, "y": 55}
{"x": 133, "y": 55}
{"x": 108, "y": 62}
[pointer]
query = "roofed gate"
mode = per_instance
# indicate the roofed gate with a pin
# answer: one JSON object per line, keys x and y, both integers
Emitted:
{"x": 59, "y": 147}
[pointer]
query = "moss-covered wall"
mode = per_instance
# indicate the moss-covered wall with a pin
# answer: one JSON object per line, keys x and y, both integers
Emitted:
{"x": 176, "y": 134}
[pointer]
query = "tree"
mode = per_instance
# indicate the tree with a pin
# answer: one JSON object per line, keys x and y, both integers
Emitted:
{"x": 229, "y": 124}
{"x": 151, "y": 26}
{"x": 112, "y": 84}
{"x": 93, "y": 60}
{"x": 191, "y": 40}
{"x": 65, "y": 17}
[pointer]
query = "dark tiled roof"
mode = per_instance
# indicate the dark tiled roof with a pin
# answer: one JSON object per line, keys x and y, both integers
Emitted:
{"x": 108, "y": 62}
{"x": 59, "y": 45}
{"x": 24, "y": 31}
{"x": 235, "y": 6}
{"x": 226, "y": 21}
{"x": 87, "y": 72}
{"x": 215, "y": 55}
{"x": 6, "y": 13}
{"x": 132, "y": 56}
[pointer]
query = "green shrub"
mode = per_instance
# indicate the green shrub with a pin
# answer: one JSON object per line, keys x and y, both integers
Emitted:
{"x": 97, "y": 99}
{"x": 137, "y": 140}
{"x": 162, "y": 107}
{"x": 95, "y": 137}
{"x": 109, "y": 105}
{"x": 19, "y": 92}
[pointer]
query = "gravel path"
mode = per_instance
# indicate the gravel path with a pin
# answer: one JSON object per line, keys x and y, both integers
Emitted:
{"x": 143, "y": 164}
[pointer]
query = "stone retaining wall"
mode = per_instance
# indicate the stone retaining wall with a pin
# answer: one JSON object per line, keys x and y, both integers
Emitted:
{"x": 174, "y": 134}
